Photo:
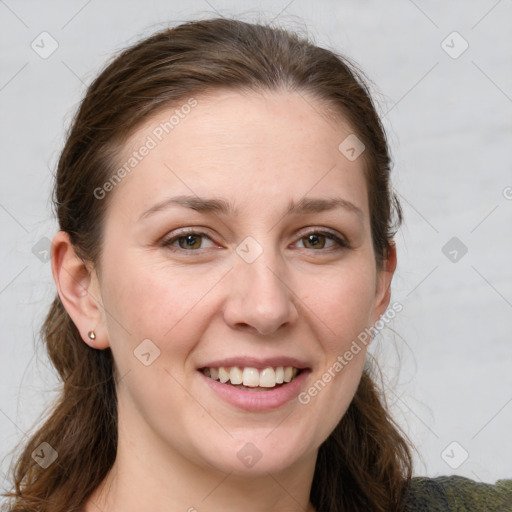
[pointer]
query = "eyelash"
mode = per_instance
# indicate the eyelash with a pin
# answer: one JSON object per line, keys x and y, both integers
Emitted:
{"x": 340, "y": 243}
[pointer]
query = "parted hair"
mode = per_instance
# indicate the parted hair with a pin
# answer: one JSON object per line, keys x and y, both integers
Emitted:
{"x": 365, "y": 463}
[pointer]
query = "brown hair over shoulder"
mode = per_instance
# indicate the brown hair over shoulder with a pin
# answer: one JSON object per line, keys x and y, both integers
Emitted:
{"x": 365, "y": 463}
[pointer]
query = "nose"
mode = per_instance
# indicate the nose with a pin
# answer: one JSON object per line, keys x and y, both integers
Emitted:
{"x": 259, "y": 299}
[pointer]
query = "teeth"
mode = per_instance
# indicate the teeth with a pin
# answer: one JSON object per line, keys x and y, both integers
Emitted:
{"x": 268, "y": 378}
{"x": 223, "y": 374}
{"x": 288, "y": 373}
{"x": 236, "y": 375}
{"x": 252, "y": 377}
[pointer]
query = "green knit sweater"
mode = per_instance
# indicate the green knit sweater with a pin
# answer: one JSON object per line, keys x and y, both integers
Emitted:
{"x": 457, "y": 494}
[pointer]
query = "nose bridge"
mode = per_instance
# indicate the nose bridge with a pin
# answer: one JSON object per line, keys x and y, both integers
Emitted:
{"x": 259, "y": 297}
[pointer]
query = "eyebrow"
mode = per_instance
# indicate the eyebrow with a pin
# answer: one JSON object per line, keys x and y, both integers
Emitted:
{"x": 225, "y": 207}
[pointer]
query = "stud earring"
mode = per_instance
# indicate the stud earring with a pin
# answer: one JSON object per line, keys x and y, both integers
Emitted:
{"x": 91, "y": 335}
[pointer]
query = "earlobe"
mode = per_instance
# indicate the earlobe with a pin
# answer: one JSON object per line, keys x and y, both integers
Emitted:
{"x": 78, "y": 290}
{"x": 384, "y": 277}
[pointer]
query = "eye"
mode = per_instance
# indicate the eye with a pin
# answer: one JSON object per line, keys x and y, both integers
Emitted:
{"x": 193, "y": 241}
{"x": 187, "y": 240}
{"x": 318, "y": 239}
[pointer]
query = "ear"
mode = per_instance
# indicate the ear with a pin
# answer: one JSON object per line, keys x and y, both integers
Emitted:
{"x": 79, "y": 291}
{"x": 384, "y": 277}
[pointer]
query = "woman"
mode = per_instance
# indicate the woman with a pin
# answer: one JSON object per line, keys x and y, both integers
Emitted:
{"x": 212, "y": 351}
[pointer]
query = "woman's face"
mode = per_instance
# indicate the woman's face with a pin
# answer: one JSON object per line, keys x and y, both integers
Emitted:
{"x": 205, "y": 264}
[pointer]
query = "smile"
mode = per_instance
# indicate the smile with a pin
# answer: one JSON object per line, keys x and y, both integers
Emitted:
{"x": 252, "y": 379}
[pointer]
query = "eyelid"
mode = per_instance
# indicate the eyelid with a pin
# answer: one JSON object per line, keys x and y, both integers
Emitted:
{"x": 323, "y": 231}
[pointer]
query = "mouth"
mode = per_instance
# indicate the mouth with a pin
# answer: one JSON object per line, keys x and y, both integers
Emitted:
{"x": 255, "y": 384}
{"x": 253, "y": 379}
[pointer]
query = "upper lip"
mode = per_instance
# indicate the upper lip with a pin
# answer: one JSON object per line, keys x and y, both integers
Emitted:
{"x": 255, "y": 362}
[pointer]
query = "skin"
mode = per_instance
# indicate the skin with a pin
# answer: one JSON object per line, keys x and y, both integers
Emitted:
{"x": 178, "y": 441}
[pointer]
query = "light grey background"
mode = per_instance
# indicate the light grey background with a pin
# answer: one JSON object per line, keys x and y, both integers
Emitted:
{"x": 447, "y": 359}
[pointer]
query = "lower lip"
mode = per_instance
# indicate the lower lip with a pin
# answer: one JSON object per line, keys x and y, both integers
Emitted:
{"x": 258, "y": 400}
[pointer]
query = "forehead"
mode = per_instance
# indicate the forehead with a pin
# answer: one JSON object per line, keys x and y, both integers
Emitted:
{"x": 274, "y": 146}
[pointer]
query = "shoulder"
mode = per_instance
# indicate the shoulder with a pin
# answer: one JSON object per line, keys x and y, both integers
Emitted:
{"x": 457, "y": 493}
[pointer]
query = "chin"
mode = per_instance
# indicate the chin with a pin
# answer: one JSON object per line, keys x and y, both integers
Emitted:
{"x": 259, "y": 453}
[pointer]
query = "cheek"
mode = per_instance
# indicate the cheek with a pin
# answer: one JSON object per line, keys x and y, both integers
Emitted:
{"x": 343, "y": 302}
{"x": 342, "y": 306}
{"x": 158, "y": 302}
{"x": 164, "y": 305}
{"x": 144, "y": 297}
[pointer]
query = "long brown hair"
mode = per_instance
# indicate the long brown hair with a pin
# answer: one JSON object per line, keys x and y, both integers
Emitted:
{"x": 365, "y": 463}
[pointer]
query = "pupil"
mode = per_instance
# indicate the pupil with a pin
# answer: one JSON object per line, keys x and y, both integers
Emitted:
{"x": 190, "y": 240}
{"x": 315, "y": 240}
